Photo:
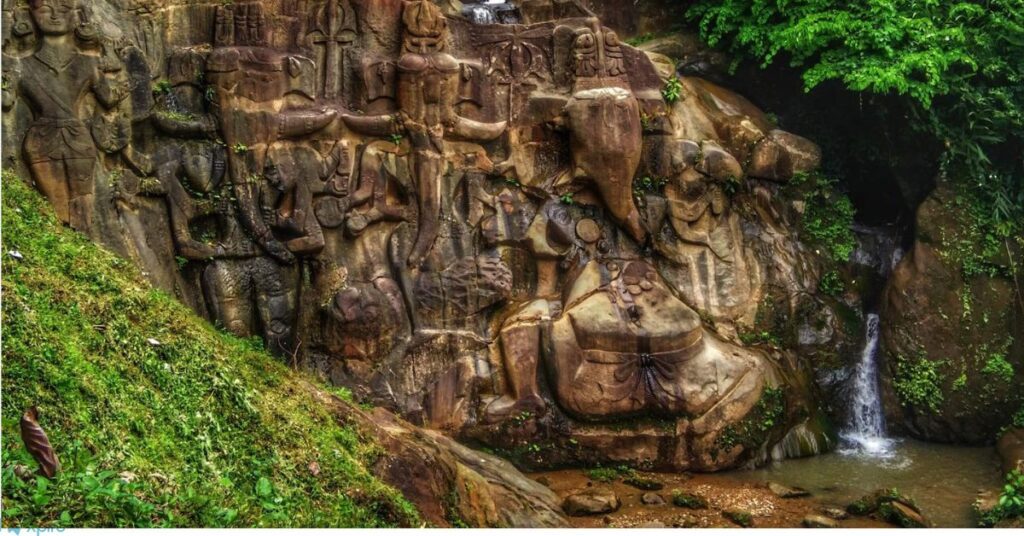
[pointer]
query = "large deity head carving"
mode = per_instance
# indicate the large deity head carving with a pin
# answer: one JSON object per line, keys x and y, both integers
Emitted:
{"x": 54, "y": 17}
{"x": 426, "y": 29}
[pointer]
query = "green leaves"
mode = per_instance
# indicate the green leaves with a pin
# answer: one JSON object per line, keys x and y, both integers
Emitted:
{"x": 960, "y": 65}
{"x": 918, "y": 383}
{"x": 672, "y": 91}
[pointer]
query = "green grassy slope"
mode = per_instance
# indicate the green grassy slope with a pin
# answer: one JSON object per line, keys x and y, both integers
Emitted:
{"x": 203, "y": 430}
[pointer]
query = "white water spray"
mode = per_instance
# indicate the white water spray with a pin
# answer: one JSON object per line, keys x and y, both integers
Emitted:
{"x": 865, "y": 433}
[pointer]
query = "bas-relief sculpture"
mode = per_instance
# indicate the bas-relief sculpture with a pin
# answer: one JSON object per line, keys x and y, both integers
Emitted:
{"x": 444, "y": 217}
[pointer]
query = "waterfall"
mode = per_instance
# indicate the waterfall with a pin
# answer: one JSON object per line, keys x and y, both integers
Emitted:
{"x": 491, "y": 12}
{"x": 865, "y": 432}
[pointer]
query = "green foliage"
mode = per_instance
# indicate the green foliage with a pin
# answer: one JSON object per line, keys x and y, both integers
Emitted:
{"x": 162, "y": 87}
{"x": 918, "y": 383}
{"x": 1012, "y": 497}
{"x": 609, "y": 474}
{"x": 647, "y": 184}
{"x": 688, "y": 500}
{"x": 240, "y": 148}
{"x": 754, "y": 338}
{"x": 395, "y": 138}
{"x": 827, "y": 219}
{"x": 175, "y": 116}
{"x": 672, "y": 91}
{"x": 1011, "y": 501}
{"x": 958, "y": 65}
{"x": 998, "y": 366}
{"x": 753, "y": 430}
{"x": 831, "y": 283}
{"x": 1018, "y": 418}
{"x": 978, "y": 237}
{"x": 567, "y": 199}
{"x": 203, "y": 429}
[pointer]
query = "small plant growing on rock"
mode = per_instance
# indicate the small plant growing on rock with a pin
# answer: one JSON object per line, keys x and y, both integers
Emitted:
{"x": 672, "y": 91}
{"x": 162, "y": 87}
{"x": 918, "y": 383}
{"x": 831, "y": 283}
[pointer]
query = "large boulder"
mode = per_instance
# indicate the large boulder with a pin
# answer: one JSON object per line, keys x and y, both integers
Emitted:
{"x": 448, "y": 482}
{"x": 954, "y": 345}
{"x": 593, "y": 501}
{"x": 1011, "y": 449}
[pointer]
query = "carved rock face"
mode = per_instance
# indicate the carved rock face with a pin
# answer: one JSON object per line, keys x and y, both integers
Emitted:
{"x": 472, "y": 219}
{"x": 623, "y": 343}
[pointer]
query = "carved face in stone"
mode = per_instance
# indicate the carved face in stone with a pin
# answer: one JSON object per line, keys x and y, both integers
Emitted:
{"x": 53, "y": 17}
{"x": 426, "y": 29}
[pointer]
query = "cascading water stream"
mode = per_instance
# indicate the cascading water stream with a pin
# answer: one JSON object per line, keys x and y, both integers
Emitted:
{"x": 491, "y": 12}
{"x": 865, "y": 432}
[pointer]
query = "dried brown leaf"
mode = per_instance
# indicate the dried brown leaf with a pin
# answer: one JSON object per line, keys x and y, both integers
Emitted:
{"x": 38, "y": 444}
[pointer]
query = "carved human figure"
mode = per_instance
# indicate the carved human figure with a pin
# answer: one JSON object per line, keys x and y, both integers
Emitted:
{"x": 54, "y": 82}
{"x": 428, "y": 86}
{"x": 288, "y": 203}
{"x": 252, "y": 84}
{"x": 550, "y": 237}
{"x": 246, "y": 288}
{"x": 707, "y": 260}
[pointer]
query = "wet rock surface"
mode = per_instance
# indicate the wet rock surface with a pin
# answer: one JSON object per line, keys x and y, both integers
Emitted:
{"x": 815, "y": 521}
{"x": 720, "y": 491}
{"x": 891, "y": 506}
{"x": 786, "y": 492}
{"x": 593, "y": 501}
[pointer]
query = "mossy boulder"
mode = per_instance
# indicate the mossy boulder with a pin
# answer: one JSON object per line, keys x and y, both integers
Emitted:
{"x": 953, "y": 330}
{"x": 688, "y": 500}
{"x": 891, "y": 506}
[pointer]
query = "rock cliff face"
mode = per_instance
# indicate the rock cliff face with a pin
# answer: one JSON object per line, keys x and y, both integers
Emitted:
{"x": 532, "y": 237}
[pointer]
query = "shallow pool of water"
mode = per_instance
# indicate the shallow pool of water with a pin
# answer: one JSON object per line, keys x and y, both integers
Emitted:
{"x": 943, "y": 480}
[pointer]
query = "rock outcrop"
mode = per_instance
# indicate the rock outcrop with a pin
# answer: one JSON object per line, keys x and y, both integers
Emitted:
{"x": 954, "y": 345}
{"x": 451, "y": 485}
{"x": 525, "y": 236}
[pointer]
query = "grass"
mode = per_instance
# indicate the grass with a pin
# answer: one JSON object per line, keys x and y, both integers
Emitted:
{"x": 193, "y": 428}
{"x": 609, "y": 474}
